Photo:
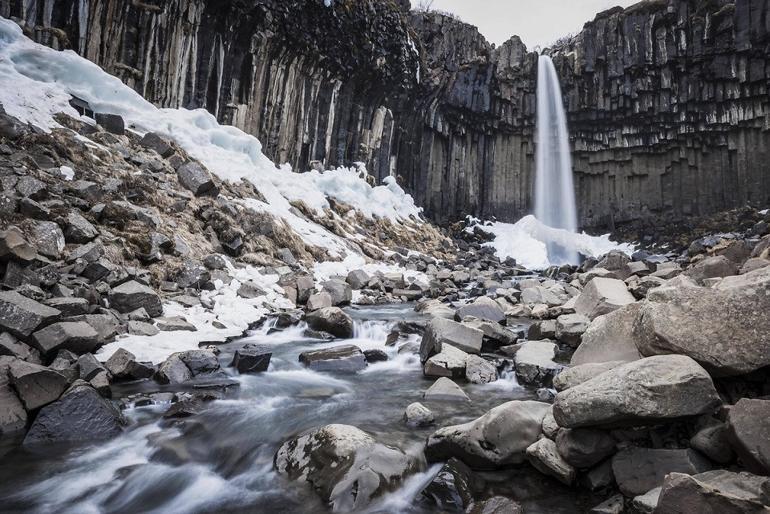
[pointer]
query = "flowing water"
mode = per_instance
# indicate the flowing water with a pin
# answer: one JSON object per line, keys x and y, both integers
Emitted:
{"x": 221, "y": 460}
{"x": 554, "y": 189}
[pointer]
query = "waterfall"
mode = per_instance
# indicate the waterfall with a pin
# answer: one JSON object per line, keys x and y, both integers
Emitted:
{"x": 554, "y": 191}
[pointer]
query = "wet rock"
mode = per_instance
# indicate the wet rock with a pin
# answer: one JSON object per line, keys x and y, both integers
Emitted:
{"x": 123, "y": 365}
{"x": 498, "y": 438}
{"x": 637, "y": 470}
{"x": 714, "y": 491}
{"x": 445, "y": 389}
{"x": 418, "y": 415}
{"x": 479, "y": 370}
{"x": 602, "y": 296}
{"x": 252, "y": 358}
{"x": 609, "y": 338}
{"x": 483, "y": 308}
{"x": 332, "y": 320}
{"x": 534, "y": 362}
{"x": 723, "y": 328}
{"x": 197, "y": 179}
{"x": 440, "y": 331}
{"x": 78, "y": 229}
{"x": 346, "y": 358}
{"x": 584, "y": 447}
{"x": 80, "y": 415}
{"x": 749, "y": 427}
{"x": 544, "y": 457}
{"x": 36, "y": 385}
{"x": 340, "y": 292}
{"x": 345, "y": 466}
{"x": 450, "y": 362}
{"x": 358, "y": 279}
{"x": 451, "y": 490}
{"x": 575, "y": 375}
{"x": 47, "y": 238}
{"x": 320, "y": 300}
{"x": 132, "y": 295}
{"x": 200, "y": 362}
{"x": 14, "y": 245}
{"x": 570, "y": 328}
{"x": 373, "y": 356}
{"x": 645, "y": 391}
{"x": 76, "y": 336}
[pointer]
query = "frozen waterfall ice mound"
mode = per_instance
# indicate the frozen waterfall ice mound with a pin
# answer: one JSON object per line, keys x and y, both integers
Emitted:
{"x": 554, "y": 189}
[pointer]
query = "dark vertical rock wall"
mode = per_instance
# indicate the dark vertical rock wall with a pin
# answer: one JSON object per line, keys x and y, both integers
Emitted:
{"x": 667, "y": 100}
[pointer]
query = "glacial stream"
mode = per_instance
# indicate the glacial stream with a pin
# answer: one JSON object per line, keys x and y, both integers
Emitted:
{"x": 221, "y": 460}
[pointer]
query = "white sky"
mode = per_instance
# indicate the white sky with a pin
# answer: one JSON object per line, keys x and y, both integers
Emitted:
{"x": 537, "y": 22}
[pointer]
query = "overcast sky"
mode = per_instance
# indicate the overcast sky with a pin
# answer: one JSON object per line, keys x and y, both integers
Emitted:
{"x": 537, "y": 22}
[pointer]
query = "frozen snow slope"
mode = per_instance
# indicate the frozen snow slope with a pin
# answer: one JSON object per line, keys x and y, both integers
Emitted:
{"x": 36, "y": 82}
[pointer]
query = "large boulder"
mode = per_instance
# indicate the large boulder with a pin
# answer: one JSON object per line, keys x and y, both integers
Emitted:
{"x": 36, "y": 385}
{"x": 570, "y": 328}
{"x": 130, "y": 296}
{"x": 340, "y": 291}
{"x": 444, "y": 389}
{"x": 534, "y": 362}
{"x": 749, "y": 432}
{"x": 252, "y": 358}
{"x": 637, "y": 470}
{"x": 609, "y": 338}
{"x": 545, "y": 458}
{"x": 584, "y": 447}
{"x": 645, "y": 391}
{"x": 483, "y": 308}
{"x": 183, "y": 366}
{"x": 498, "y": 438}
{"x": 346, "y": 358}
{"x": 332, "y": 320}
{"x": 440, "y": 331}
{"x": 449, "y": 362}
{"x": 479, "y": 370}
{"x": 723, "y": 328}
{"x": 78, "y": 229}
{"x": 345, "y": 466}
{"x": 495, "y": 335}
{"x": 712, "y": 267}
{"x": 76, "y": 336}
{"x": 81, "y": 414}
{"x": 21, "y": 316}
{"x": 48, "y": 238}
{"x": 123, "y": 365}
{"x": 601, "y": 296}
{"x": 575, "y": 375}
{"x": 14, "y": 245}
{"x": 718, "y": 491}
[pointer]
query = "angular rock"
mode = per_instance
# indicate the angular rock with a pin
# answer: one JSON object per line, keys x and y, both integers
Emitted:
{"x": 646, "y": 503}
{"x": 358, "y": 279}
{"x": 158, "y": 143}
{"x": 749, "y": 431}
{"x": 12, "y": 347}
{"x": 132, "y": 295}
{"x": 375, "y": 355}
{"x": 712, "y": 267}
{"x": 197, "y": 179}
{"x": 450, "y": 362}
{"x": 534, "y": 363}
{"x": 584, "y": 447}
{"x": 483, "y": 308}
{"x": 345, "y": 466}
{"x": 332, "y": 320}
{"x": 346, "y": 358}
{"x": 14, "y": 245}
{"x": 713, "y": 442}
{"x": 173, "y": 371}
{"x": 479, "y": 370}
{"x": 645, "y": 391}
{"x": 69, "y": 306}
{"x": 21, "y": 316}
{"x": 495, "y": 335}
{"x": 340, "y": 292}
{"x": 544, "y": 457}
{"x": 317, "y": 301}
{"x": 47, "y": 238}
{"x": 418, "y": 415}
{"x": 123, "y": 365}
{"x": 174, "y": 324}
{"x": 575, "y": 375}
{"x": 637, "y": 470}
{"x": 714, "y": 491}
{"x": 609, "y": 338}
{"x": 496, "y": 505}
{"x": 570, "y": 328}
{"x": 602, "y": 296}
{"x": 141, "y": 328}
{"x": 445, "y": 389}
{"x": 440, "y": 331}
{"x": 498, "y": 438}
{"x": 252, "y": 358}
{"x": 13, "y": 416}
{"x": 76, "y": 336}
{"x": 80, "y": 415}
{"x": 36, "y": 385}
{"x": 78, "y": 229}
{"x": 250, "y": 290}
{"x": 89, "y": 367}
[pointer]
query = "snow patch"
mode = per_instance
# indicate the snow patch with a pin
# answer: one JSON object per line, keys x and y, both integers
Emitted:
{"x": 67, "y": 172}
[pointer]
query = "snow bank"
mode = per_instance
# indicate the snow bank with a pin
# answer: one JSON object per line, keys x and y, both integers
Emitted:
{"x": 527, "y": 239}
{"x": 36, "y": 82}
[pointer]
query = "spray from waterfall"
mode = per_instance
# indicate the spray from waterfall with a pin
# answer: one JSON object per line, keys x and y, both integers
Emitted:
{"x": 554, "y": 190}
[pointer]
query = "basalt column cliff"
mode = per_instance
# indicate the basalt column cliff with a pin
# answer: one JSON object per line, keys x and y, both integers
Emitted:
{"x": 667, "y": 100}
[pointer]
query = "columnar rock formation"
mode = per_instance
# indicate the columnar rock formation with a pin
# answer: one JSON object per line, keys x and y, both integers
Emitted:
{"x": 667, "y": 100}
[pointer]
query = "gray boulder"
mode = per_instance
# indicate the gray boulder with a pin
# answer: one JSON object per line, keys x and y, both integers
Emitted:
{"x": 483, "y": 308}
{"x": 575, "y": 375}
{"x": 545, "y": 458}
{"x": 479, "y": 370}
{"x": 132, "y": 295}
{"x": 718, "y": 491}
{"x": 345, "y": 466}
{"x": 76, "y": 336}
{"x": 645, "y": 391}
{"x": 14, "y": 245}
{"x": 637, "y": 470}
{"x": 340, "y": 291}
{"x": 69, "y": 306}
{"x": 48, "y": 238}
{"x": 332, "y": 320}
{"x": 452, "y": 489}
{"x": 252, "y": 358}
{"x": 498, "y": 438}
{"x": 749, "y": 431}
{"x": 197, "y": 179}
{"x": 445, "y": 389}
{"x": 13, "y": 416}
{"x": 418, "y": 415}
{"x": 78, "y": 229}
{"x": 80, "y": 415}
{"x": 21, "y": 316}
{"x": 36, "y": 385}
{"x": 158, "y": 143}
{"x": 609, "y": 338}
{"x": 712, "y": 440}
{"x": 570, "y": 328}
{"x": 183, "y": 366}
{"x": 584, "y": 447}
{"x": 358, "y": 279}
{"x": 12, "y": 347}
{"x": 317, "y": 301}
{"x": 712, "y": 267}
{"x": 89, "y": 367}
{"x": 495, "y": 335}
{"x": 123, "y": 365}
{"x": 346, "y": 358}
{"x": 449, "y": 362}
{"x": 440, "y": 331}
{"x": 723, "y": 328}
{"x": 534, "y": 362}
{"x": 601, "y": 296}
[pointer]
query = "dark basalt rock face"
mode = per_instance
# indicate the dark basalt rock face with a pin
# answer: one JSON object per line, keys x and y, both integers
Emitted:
{"x": 666, "y": 100}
